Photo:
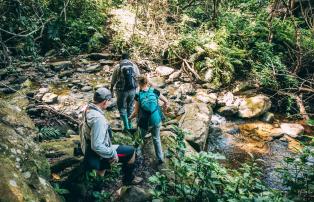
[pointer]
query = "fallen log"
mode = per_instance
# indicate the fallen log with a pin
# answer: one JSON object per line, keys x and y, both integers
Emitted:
{"x": 63, "y": 164}
{"x": 73, "y": 122}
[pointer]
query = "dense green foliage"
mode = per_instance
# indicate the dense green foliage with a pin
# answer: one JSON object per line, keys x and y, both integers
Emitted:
{"x": 298, "y": 175}
{"x": 30, "y": 27}
{"x": 201, "y": 177}
{"x": 246, "y": 42}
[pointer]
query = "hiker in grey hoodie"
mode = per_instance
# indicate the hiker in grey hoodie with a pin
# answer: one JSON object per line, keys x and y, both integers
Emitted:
{"x": 99, "y": 152}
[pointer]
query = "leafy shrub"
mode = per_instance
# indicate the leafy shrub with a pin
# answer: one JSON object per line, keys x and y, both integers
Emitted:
{"x": 200, "y": 177}
{"x": 298, "y": 175}
{"x": 30, "y": 27}
{"x": 49, "y": 133}
{"x": 96, "y": 184}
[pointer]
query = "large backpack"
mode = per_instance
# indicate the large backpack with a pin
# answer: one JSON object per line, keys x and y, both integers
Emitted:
{"x": 149, "y": 108}
{"x": 127, "y": 80}
{"x": 148, "y": 100}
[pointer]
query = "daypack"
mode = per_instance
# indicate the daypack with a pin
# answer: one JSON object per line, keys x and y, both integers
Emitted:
{"x": 149, "y": 109}
{"x": 84, "y": 129}
{"x": 127, "y": 80}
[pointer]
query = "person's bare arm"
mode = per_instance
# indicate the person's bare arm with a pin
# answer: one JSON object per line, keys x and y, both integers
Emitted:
{"x": 136, "y": 110}
{"x": 165, "y": 101}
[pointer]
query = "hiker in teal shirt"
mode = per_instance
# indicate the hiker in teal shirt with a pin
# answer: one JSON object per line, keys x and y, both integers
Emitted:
{"x": 149, "y": 114}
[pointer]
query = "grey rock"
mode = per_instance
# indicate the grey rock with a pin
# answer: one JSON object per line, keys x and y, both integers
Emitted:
{"x": 86, "y": 88}
{"x": 80, "y": 70}
{"x": 292, "y": 129}
{"x": 268, "y": 117}
{"x": 50, "y": 98}
{"x": 99, "y": 56}
{"x": 254, "y": 106}
{"x": 134, "y": 194}
{"x": 43, "y": 90}
{"x": 277, "y": 136}
{"x": 225, "y": 99}
{"x": 181, "y": 111}
{"x": 196, "y": 120}
{"x": 66, "y": 73}
{"x": 164, "y": 70}
{"x": 233, "y": 131}
{"x": 22, "y": 177}
{"x": 93, "y": 68}
{"x": 106, "y": 62}
{"x": 228, "y": 110}
{"x": 58, "y": 66}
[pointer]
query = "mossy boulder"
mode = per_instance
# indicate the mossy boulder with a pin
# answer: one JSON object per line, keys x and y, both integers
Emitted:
{"x": 254, "y": 106}
{"x": 168, "y": 141}
{"x": 24, "y": 169}
{"x": 196, "y": 120}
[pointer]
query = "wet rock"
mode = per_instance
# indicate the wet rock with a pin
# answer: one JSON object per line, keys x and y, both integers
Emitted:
{"x": 50, "y": 98}
{"x": 99, "y": 56}
{"x": 158, "y": 81}
{"x": 185, "y": 89}
{"x": 203, "y": 96}
{"x": 276, "y": 136}
{"x": 225, "y": 99}
{"x": 292, "y": 129}
{"x": 214, "y": 134}
{"x": 6, "y": 90}
{"x": 3, "y": 73}
{"x": 181, "y": 111}
{"x": 49, "y": 75}
{"x": 86, "y": 88}
{"x": 196, "y": 120}
{"x": 175, "y": 75}
{"x": 93, "y": 68}
{"x": 80, "y": 70}
{"x": 254, "y": 106}
{"x": 134, "y": 194}
{"x": 58, "y": 66}
{"x": 164, "y": 70}
{"x": 218, "y": 120}
{"x": 106, "y": 62}
{"x": 66, "y": 73}
{"x": 20, "y": 181}
{"x": 228, "y": 110}
{"x": 268, "y": 117}
{"x": 233, "y": 130}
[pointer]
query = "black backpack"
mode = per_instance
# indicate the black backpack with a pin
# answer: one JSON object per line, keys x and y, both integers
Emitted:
{"x": 127, "y": 76}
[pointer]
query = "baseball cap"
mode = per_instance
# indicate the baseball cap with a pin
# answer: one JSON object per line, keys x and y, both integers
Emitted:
{"x": 102, "y": 94}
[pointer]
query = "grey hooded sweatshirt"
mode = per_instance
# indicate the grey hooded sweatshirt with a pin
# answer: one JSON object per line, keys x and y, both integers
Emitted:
{"x": 99, "y": 135}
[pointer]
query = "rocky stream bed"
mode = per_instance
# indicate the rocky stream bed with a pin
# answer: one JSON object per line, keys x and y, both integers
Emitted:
{"x": 236, "y": 122}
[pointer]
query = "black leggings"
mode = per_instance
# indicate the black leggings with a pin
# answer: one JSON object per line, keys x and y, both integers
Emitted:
{"x": 94, "y": 161}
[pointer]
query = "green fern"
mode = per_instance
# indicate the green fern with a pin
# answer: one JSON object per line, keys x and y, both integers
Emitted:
{"x": 48, "y": 133}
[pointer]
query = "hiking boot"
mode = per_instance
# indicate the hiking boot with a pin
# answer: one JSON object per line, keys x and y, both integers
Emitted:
{"x": 160, "y": 162}
{"x": 125, "y": 121}
{"x": 132, "y": 130}
{"x": 135, "y": 181}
